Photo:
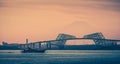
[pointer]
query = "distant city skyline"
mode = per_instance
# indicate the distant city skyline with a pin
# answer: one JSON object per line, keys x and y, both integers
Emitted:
{"x": 45, "y": 19}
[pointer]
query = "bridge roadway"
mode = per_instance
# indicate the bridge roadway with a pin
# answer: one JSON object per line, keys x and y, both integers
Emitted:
{"x": 49, "y": 42}
{"x": 80, "y": 39}
{"x": 61, "y": 39}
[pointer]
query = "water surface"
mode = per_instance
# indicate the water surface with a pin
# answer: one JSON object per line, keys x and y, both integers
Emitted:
{"x": 61, "y": 57}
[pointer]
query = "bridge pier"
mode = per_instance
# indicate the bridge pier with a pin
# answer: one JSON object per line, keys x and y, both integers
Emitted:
{"x": 39, "y": 45}
{"x": 48, "y": 45}
{"x": 61, "y": 47}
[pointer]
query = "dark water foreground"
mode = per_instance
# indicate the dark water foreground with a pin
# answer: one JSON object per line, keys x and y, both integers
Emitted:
{"x": 61, "y": 57}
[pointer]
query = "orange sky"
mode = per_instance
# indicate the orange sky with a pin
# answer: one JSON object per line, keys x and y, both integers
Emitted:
{"x": 45, "y": 19}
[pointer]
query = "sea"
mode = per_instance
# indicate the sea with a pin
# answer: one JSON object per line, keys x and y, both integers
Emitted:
{"x": 61, "y": 57}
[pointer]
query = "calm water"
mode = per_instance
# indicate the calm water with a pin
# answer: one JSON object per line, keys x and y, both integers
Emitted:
{"x": 61, "y": 57}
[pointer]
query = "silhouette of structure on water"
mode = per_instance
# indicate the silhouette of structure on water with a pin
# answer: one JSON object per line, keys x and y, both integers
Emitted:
{"x": 101, "y": 43}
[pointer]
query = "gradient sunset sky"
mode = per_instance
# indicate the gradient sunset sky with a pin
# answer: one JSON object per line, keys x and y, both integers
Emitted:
{"x": 45, "y": 19}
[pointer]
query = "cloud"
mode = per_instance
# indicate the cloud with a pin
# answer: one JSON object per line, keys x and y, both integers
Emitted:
{"x": 103, "y": 4}
{"x": 108, "y": 5}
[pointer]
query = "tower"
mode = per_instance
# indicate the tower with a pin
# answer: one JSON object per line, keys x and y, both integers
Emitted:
{"x": 26, "y": 40}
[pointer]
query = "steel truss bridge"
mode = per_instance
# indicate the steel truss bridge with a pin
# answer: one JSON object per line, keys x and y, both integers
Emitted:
{"x": 61, "y": 39}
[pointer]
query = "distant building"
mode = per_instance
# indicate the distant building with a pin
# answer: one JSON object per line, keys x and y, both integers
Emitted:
{"x": 6, "y": 46}
{"x": 4, "y": 43}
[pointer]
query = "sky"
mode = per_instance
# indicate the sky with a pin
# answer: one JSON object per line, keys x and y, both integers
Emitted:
{"x": 45, "y": 19}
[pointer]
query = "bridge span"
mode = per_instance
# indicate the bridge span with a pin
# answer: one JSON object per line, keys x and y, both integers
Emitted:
{"x": 61, "y": 39}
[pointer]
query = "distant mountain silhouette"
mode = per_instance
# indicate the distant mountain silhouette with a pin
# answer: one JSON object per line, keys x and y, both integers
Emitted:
{"x": 79, "y": 27}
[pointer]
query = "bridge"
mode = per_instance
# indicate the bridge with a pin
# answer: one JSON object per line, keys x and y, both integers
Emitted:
{"x": 61, "y": 39}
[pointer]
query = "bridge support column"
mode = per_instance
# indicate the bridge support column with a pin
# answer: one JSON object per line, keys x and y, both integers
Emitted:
{"x": 33, "y": 45}
{"x": 39, "y": 45}
{"x": 61, "y": 47}
{"x": 48, "y": 45}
